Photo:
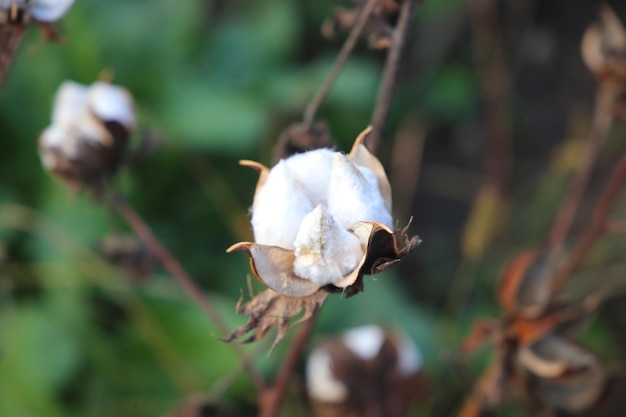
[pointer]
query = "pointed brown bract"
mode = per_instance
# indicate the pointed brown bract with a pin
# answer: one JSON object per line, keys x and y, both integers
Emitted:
{"x": 536, "y": 360}
{"x": 603, "y": 46}
{"x": 270, "y": 309}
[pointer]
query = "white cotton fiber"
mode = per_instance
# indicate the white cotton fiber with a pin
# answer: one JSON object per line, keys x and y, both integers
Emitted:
{"x": 279, "y": 208}
{"x": 312, "y": 170}
{"x": 325, "y": 252}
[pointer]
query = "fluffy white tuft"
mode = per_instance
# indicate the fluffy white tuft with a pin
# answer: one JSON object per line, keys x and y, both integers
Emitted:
{"x": 112, "y": 103}
{"x": 410, "y": 357}
{"x": 321, "y": 383}
{"x": 325, "y": 252}
{"x": 69, "y": 104}
{"x": 364, "y": 341}
{"x": 353, "y": 195}
{"x": 50, "y": 10}
{"x": 312, "y": 170}
{"x": 279, "y": 208}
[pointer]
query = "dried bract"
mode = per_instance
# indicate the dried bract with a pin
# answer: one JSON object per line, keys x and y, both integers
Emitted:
{"x": 366, "y": 371}
{"x": 604, "y": 46}
{"x": 537, "y": 360}
{"x": 89, "y": 134}
{"x": 270, "y": 309}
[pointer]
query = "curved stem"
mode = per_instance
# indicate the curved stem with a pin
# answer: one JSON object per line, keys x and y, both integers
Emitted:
{"x": 180, "y": 274}
{"x": 388, "y": 83}
{"x": 602, "y": 122}
{"x": 596, "y": 226}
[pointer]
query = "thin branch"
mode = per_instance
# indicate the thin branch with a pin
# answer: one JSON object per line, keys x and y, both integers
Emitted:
{"x": 9, "y": 43}
{"x": 597, "y": 224}
{"x": 390, "y": 71}
{"x": 346, "y": 50}
{"x": 602, "y": 122}
{"x": 272, "y": 398}
{"x": 183, "y": 278}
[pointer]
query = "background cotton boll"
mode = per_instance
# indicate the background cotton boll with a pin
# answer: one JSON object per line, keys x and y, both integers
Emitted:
{"x": 69, "y": 103}
{"x": 312, "y": 170}
{"x": 55, "y": 138}
{"x": 50, "y": 10}
{"x": 111, "y": 103}
{"x": 364, "y": 341}
{"x": 321, "y": 383}
{"x": 410, "y": 359}
{"x": 324, "y": 251}
{"x": 353, "y": 195}
{"x": 279, "y": 208}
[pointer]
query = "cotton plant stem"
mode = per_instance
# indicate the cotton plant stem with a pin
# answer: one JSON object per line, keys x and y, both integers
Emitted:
{"x": 272, "y": 398}
{"x": 596, "y": 226}
{"x": 390, "y": 72}
{"x": 180, "y": 274}
{"x": 9, "y": 44}
{"x": 602, "y": 122}
{"x": 315, "y": 103}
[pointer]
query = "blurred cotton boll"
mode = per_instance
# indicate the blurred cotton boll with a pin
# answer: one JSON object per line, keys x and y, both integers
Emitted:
{"x": 366, "y": 371}
{"x": 314, "y": 218}
{"x": 43, "y": 11}
{"x": 88, "y": 137}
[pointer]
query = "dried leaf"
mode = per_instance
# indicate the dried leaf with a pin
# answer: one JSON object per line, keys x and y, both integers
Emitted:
{"x": 525, "y": 289}
{"x": 270, "y": 309}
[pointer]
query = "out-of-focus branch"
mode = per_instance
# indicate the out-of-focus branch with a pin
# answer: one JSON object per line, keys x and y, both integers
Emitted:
{"x": 180, "y": 274}
{"x": 9, "y": 43}
{"x": 272, "y": 398}
{"x": 346, "y": 50}
{"x": 602, "y": 122}
{"x": 390, "y": 72}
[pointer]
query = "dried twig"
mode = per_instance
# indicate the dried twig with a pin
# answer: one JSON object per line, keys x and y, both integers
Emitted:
{"x": 596, "y": 226}
{"x": 346, "y": 50}
{"x": 183, "y": 278}
{"x": 602, "y": 122}
{"x": 390, "y": 72}
{"x": 9, "y": 43}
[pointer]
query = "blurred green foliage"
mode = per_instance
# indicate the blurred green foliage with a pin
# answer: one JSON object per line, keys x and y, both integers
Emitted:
{"x": 219, "y": 81}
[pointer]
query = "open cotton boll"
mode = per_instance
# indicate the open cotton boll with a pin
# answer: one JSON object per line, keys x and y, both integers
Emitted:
{"x": 56, "y": 138}
{"x": 312, "y": 170}
{"x": 111, "y": 104}
{"x": 279, "y": 208}
{"x": 321, "y": 383}
{"x": 353, "y": 195}
{"x": 325, "y": 252}
{"x": 69, "y": 104}
{"x": 49, "y": 10}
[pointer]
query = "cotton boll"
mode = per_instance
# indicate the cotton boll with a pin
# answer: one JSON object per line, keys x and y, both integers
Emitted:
{"x": 353, "y": 195}
{"x": 50, "y": 10}
{"x": 365, "y": 341}
{"x": 69, "y": 104}
{"x": 324, "y": 251}
{"x": 410, "y": 358}
{"x": 55, "y": 138}
{"x": 111, "y": 104}
{"x": 312, "y": 170}
{"x": 322, "y": 385}
{"x": 279, "y": 208}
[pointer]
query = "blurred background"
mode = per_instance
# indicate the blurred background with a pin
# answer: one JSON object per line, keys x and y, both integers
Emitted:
{"x": 492, "y": 111}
